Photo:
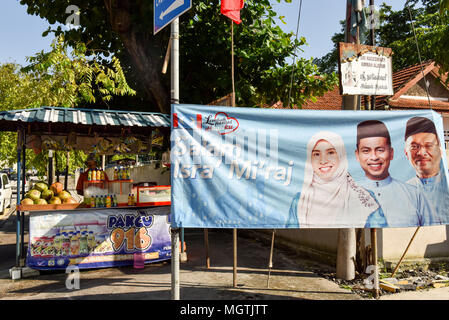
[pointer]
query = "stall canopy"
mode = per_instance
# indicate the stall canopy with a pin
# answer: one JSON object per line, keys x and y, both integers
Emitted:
{"x": 64, "y": 120}
{"x": 90, "y": 130}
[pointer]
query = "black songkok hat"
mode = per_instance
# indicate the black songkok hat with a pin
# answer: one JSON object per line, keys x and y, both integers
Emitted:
{"x": 419, "y": 124}
{"x": 372, "y": 128}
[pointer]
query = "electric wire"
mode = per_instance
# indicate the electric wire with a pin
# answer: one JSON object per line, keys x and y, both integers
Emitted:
{"x": 294, "y": 54}
{"x": 419, "y": 56}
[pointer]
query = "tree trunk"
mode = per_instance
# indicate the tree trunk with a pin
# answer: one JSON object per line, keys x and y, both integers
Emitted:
{"x": 136, "y": 46}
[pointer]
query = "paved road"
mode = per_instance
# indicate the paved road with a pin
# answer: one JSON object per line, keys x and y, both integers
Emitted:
{"x": 290, "y": 278}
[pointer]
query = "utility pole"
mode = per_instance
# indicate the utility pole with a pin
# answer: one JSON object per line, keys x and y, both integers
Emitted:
{"x": 175, "y": 245}
{"x": 346, "y": 250}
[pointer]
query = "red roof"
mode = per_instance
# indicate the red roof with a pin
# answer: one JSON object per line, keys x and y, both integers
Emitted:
{"x": 331, "y": 100}
{"x": 403, "y": 80}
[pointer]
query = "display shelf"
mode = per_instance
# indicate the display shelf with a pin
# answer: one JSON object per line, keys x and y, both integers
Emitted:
{"x": 117, "y": 181}
{"x": 48, "y": 207}
{"x": 79, "y": 206}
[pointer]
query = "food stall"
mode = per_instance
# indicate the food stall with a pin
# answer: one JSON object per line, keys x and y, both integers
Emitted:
{"x": 120, "y": 218}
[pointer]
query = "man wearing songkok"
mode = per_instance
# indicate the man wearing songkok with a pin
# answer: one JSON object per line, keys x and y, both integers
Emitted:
{"x": 402, "y": 204}
{"x": 423, "y": 150}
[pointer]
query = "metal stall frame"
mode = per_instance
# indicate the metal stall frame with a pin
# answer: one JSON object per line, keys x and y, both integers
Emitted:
{"x": 62, "y": 121}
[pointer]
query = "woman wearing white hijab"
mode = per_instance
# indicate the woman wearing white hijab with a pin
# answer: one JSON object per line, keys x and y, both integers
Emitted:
{"x": 329, "y": 196}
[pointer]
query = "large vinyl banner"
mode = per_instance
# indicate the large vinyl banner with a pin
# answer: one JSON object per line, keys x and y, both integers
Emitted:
{"x": 266, "y": 168}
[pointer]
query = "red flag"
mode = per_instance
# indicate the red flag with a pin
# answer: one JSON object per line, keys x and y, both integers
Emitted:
{"x": 231, "y": 9}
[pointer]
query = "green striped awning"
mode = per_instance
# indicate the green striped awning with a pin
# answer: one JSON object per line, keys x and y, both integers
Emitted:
{"x": 73, "y": 117}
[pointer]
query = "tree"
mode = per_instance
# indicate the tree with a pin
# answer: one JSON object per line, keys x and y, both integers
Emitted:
{"x": 56, "y": 78}
{"x": 431, "y": 23}
{"x": 124, "y": 29}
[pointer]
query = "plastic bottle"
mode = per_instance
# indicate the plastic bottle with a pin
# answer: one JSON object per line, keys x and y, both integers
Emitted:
{"x": 108, "y": 201}
{"x": 102, "y": 175}
{"x": 89, "y": 175}
{"x": 130, "y": 200}
{"x": 114, "y": 201}
{"x": 115, "y": 173}
{"x": 94, "y": 175}
{"x": 127, "y": 173}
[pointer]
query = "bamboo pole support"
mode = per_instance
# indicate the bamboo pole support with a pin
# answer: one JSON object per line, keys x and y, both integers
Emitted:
{"x": 405, "y": 252}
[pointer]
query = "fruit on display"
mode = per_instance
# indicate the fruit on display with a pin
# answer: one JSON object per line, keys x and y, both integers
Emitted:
{"x": 69, "y": 200}
{"x": 40, "y": 186}
{"x": 47, "y": 194}
{"x": 64, "y": 195}
{"x": 33, "y": 194}
{"x": 57, "y": 187}
{"x": 40, "y": 201}
{"x": 27, "y": 201}
{"x": 54, "y": 200}
{"x": 43, "y": 194}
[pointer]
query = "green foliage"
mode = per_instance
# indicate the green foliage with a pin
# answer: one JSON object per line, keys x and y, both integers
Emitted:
{"x": 261, "y": 48}
{"x": 70, "y": 79}
{"x": 431, "y": 22}
{"x": 56, "y": 78}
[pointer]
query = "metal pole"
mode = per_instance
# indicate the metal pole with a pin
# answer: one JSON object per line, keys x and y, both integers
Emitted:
{"x": 373, "y": 43}
{"x": 175, "y": 61}
{"x": 22, "y": 214}
{"x": 175, "y": 264}
{"x": 234, "y": 273}
{"x": 174, "y": 27}
{"x": 18, "y": 213}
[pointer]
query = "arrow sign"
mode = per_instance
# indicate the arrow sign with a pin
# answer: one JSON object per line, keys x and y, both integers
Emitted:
{"x": 165, "y": 11}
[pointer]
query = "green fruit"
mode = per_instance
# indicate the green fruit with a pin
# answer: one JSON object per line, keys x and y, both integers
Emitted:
{"x": 40, "y": 201}
{"x": 40, "y": 186}
{"x": 34, "y": 194}
{"x": 47, "y": 194}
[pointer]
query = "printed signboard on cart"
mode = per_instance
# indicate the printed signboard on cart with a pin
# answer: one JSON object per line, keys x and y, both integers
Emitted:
{"x": 98, "y": 238}
{"x": 267, "y": 168}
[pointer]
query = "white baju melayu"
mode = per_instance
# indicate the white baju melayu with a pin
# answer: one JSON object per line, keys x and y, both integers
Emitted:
{"x": 435, "y": 189}
{"x": 402, "y": 204}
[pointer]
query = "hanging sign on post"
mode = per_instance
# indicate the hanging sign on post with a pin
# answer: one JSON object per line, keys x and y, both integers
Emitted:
{"x": 365, "y": 70}
{"x": 165, "y": 11}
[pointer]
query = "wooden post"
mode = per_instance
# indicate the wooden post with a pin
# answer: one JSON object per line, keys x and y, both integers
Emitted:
{"x": 405, "y": 252}
{"x": 374, "y": 257}
{"x": 270, "y": 262}
{"x": 206, "y": 244}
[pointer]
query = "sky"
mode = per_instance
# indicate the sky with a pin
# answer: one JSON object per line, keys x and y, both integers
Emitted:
{"x": 21, "y": 33}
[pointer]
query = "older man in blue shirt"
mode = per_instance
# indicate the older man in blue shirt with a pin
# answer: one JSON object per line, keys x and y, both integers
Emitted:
{"x": 403, "y": 205}
{"x": 423, "y": 150}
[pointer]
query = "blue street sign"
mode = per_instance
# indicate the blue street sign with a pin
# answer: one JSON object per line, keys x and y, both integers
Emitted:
{"x": 165, "y": 11}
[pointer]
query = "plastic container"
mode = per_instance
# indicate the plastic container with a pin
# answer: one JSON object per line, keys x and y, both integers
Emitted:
{"x": 139, "y": 260}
